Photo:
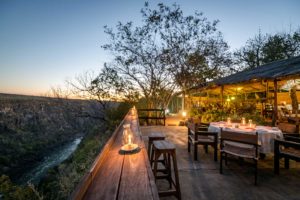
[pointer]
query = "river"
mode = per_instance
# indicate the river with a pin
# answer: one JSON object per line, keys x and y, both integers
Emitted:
{"x": 56, "y": 157}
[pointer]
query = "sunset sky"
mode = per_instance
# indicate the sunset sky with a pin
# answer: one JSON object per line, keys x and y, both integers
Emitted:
{"x": 45, "y": 42}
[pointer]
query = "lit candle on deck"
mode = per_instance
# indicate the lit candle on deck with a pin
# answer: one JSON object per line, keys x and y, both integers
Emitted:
{"x": 129, "y": 140}
{"x": 228, "y": 121}
{"x": 243, "y": 121}
{"x": 250, "y": 123}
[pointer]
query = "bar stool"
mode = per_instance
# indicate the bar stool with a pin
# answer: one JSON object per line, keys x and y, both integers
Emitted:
{"x": 152, "y": 137}
{"x": 166, "y": 148}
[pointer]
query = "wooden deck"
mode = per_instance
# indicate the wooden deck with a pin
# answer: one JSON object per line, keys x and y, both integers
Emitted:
{"x": 201, "y": 179}
{"x": 115, "y": 175}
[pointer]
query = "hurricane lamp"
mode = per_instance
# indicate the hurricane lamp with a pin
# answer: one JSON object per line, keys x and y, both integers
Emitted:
{"x": 128, "y": 139}
{"x": 133, "y": 110}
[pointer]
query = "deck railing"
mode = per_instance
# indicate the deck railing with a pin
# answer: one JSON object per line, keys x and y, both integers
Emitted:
{"x": 152, "y": 116}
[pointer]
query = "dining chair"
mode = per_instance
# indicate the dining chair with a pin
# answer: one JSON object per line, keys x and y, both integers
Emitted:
{"x": 287, "y": 148}
{"x": 241, "y": 145}
{"x": 198, "y": 134}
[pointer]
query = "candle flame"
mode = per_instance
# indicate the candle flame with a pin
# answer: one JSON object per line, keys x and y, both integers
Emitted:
{"x": 129, "y": 139}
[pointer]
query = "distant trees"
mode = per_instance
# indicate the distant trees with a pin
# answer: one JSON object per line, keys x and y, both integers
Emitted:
{"x": 8, "y": 190}
{"x": 169, "y": 52}
{"x": 266, "y": 48}
{"x": 58, "y": 92}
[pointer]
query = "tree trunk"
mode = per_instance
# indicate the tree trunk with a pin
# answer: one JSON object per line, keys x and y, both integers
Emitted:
{"x": 183, "y": 101}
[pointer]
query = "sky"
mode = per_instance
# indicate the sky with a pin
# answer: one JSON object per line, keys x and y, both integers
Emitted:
{"x": 45, "y": 42}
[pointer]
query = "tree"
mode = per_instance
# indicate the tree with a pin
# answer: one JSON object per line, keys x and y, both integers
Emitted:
{"x": 266, "y": 48}
{"x": 281, "y": 46}
{"x": 168, "y": 52}
{"x": 106, "y": 88}
{"x": 250, "y": 55}
{"x": 193, "y": 50}
{"x": 8, "y": 190}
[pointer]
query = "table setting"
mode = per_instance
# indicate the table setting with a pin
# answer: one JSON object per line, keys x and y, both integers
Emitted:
{"x": 266, "y": 134}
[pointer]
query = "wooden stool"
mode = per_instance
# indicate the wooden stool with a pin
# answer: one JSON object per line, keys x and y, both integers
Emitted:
{"x": 166, "y": 148}
{"x": 152, "y": 137}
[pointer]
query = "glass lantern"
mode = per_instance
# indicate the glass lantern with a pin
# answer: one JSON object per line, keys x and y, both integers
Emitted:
{"x": 128, "y": 139}
{"x": 127, "y": 135}
{"x": 133, "y": 111}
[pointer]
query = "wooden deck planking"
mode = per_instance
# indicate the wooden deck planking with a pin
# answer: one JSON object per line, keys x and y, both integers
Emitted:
{"x": 123, "y": 176}
{"x": 201, "y": 179}
{"x": 136, "y": 183}
{"x": 106, "y": 182}
{"x": 134, "y": 180}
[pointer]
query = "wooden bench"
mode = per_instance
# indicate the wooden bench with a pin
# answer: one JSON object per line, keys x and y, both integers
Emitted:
{"x": 116, "y": 175}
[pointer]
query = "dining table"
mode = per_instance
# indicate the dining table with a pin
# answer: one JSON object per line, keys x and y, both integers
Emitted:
{"x": 266, "y": 134}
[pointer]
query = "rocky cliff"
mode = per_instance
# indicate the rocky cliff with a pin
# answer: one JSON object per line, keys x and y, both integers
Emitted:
{"x": 31, "y": 126}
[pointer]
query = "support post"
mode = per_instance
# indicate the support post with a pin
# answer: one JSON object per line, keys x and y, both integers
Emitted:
{"x": 222, "y": 98}
{"x": 183, "y": 101}
{"x": 275, "y": 110}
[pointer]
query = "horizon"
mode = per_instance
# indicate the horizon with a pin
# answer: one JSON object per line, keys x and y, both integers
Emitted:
{"x": 45, "y": 43}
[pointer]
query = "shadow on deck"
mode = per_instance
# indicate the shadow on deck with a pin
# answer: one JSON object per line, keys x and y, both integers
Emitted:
{"x": 201, "y": 179}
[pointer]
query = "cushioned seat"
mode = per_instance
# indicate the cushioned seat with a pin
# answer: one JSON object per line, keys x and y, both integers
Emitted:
{"x": 291, "y": 151}
{"x": 240, "y": 151}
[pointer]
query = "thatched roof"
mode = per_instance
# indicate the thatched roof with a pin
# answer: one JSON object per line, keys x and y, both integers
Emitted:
{"x": 274, "y": 70}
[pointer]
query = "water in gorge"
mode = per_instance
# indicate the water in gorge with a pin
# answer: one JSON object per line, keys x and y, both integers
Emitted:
{"x": 54, "y": 158}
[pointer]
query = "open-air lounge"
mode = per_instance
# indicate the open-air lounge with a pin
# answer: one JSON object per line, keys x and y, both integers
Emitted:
{"x": 239, "y": 140}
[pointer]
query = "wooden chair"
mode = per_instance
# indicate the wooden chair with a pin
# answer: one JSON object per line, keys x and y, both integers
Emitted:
{"x": 241, "y": 145}
{"x": 289, "y": 148}
{"x": 198, "y": 135}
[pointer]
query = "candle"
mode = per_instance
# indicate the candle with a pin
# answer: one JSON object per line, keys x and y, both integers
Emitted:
{"x": 228, "y": 121}
{"x": 183, "y": 113}
{"x": 243, "y": 121}
{"x": 250, "y": 123}
{"x": 129, "y": 139}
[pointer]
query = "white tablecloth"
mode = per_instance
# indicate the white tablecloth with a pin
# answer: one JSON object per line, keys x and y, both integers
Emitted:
{"x": 266, "y": 134}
